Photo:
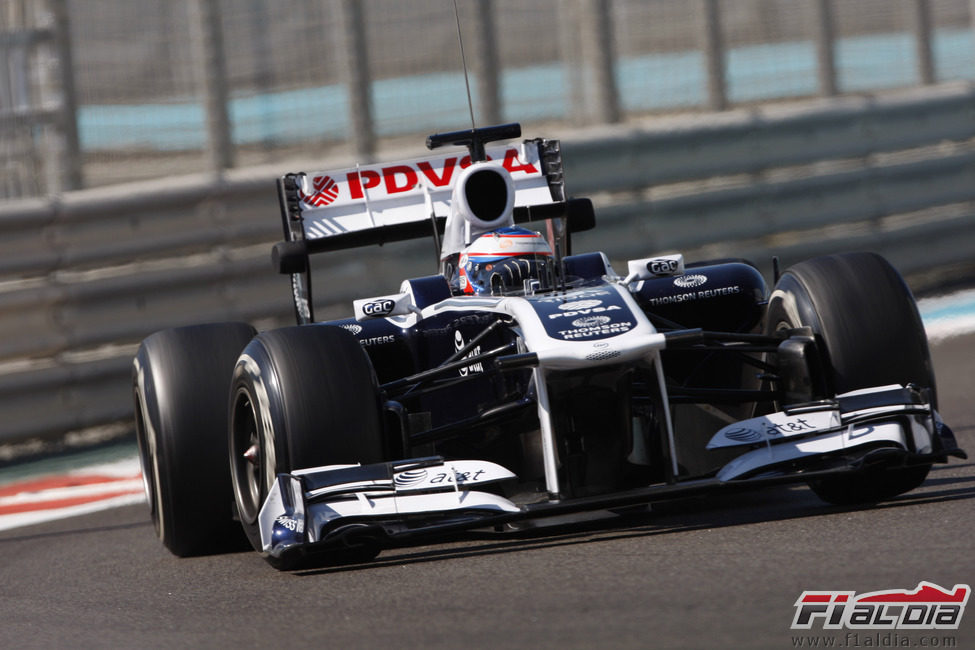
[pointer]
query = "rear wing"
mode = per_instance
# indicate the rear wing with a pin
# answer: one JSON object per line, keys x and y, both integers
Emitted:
{"x": 364, "y": 205}
{"x": 397, "y": 201}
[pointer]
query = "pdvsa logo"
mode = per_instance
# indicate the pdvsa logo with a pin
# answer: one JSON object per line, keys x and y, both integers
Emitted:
{"x": 325, "y": 192}
{"x": 927, "y": 607}
{"x": 580, "y": 311}
{"x": 399, "y": 178}
{"x": 405, "y": 177}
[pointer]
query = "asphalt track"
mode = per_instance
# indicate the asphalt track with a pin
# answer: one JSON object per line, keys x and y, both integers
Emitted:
{"x": 720, "y": 572}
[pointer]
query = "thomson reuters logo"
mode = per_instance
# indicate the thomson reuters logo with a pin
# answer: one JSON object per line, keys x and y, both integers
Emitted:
{"x": 591, "y": 321}
{"x": 927, "y": 607}
{"x": 690, "y": 281}
{"x": 325, "y": 191}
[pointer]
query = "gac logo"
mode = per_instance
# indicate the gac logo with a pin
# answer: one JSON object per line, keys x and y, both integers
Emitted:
{"x": 378, "y": 307}
{"x": 663, "y": 267}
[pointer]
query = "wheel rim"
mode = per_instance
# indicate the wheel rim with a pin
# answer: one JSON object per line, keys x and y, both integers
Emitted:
{"x": 247, "y": 458}
{"x": 148, "y": 458}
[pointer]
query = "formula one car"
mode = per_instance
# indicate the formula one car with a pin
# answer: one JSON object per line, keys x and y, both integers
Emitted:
{"x": 521, "y": 381}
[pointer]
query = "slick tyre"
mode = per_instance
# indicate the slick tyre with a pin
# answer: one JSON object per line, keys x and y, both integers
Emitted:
{"x": 180, "y": 383}
{"x": 301, "y": 397}
{"x": 863, "y": 312}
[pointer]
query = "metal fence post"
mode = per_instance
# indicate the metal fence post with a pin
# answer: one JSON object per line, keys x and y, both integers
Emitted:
{"x": 354, "y": 62}
{"x": 71, "y": 165}
{"x": 568, "y": 25}
{"x": 598, "y": 61}
{"x": 825, "y": 56}
{"x": 17, "y": 175}
{"x": 207, "y": 35}
{"x": 714, "y": 55}
{"x": 971, "y": 18}
{"x": 486, "y": 64}
{"x": 263, "y": 72}
{"x": 922, "y": 41}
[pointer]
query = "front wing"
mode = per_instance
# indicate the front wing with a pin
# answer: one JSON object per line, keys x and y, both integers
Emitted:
{"x": 325, "y": 508}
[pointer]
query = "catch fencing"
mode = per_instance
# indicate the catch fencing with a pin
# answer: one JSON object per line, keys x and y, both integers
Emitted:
{"x": 85, "y": 276}
{"x": 97, "y": 92}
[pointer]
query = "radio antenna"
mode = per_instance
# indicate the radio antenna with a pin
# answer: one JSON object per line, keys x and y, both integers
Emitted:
{"x": 463, "y": 59}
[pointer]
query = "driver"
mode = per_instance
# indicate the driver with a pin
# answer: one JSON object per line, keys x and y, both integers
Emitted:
{"x": 499, "y": 262}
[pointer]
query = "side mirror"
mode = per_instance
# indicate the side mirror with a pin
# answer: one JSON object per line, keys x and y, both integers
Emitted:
{"x": 654, "y": 267}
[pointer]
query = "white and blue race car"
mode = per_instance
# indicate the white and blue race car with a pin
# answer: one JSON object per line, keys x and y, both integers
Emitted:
{"x": 521, "y": 380}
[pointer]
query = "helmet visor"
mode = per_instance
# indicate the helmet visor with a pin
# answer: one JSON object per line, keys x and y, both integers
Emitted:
{"x": 508, "y": 275}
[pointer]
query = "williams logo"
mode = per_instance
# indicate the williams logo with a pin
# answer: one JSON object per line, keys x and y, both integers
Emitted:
{"x": 928, "y": 607}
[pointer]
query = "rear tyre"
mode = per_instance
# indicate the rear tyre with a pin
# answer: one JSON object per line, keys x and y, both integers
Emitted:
{"x": 301, "y": 397}
{"x": 866, "y": 317}
{"x": 180, "y": 382}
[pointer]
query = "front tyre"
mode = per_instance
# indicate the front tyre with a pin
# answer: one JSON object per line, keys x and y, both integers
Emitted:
{"x": 180, "y": 382}
{"x": 863, "y": 312}
{"x": 301, "y": 397}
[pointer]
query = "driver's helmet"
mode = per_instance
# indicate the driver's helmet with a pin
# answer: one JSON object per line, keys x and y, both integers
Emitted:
{"x": 499, "y": 262}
